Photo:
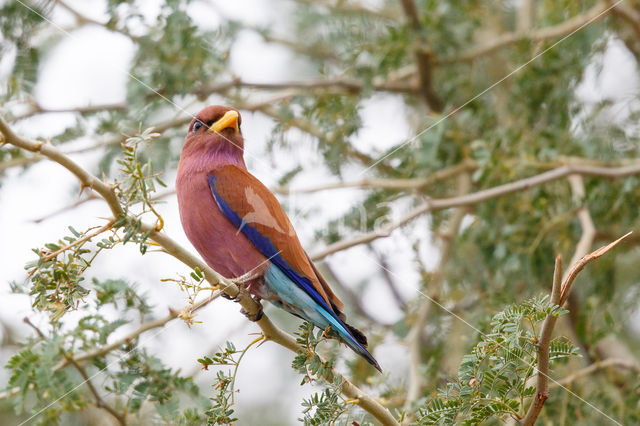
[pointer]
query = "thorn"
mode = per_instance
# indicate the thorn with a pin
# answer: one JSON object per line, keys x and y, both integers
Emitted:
{"x": 325, "y": 333}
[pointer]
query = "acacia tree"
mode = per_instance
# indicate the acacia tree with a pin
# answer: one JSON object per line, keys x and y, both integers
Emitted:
{"x": 510, "y": 166}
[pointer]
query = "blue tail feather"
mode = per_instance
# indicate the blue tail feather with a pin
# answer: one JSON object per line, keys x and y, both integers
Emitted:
{"x": 298, "y": 302}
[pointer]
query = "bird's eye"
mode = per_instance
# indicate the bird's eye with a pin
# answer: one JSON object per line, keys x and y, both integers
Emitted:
{"x": 197, "y": 125}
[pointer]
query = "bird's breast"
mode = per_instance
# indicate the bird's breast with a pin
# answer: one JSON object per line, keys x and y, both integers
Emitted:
{"x": 218, "y": 241}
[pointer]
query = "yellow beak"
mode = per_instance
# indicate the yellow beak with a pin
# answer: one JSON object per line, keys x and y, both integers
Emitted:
{"x": 229, "y": 119}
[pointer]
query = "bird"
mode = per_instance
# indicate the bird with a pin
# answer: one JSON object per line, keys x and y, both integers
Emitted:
{"x": 240, "y": 229}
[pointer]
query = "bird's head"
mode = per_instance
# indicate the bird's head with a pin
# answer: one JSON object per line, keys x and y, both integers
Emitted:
{"x": 215, "y": 130}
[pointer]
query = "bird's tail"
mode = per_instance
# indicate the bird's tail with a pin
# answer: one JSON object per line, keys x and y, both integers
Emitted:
{"x": 353, "y": 337}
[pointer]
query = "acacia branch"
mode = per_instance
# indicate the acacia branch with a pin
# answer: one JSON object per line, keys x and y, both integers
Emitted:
{"x": 393, "y": 184}
{"x": 269, "y": 330}
{"x": 351, "y": 7}
{"x": 594, "y": 14}
{"x": 582, "y": 248}
{"x": 542, "y": 385}
{"x": 424, "y": 58}
{"x": 106, "y": 142}
{"x": 629, "y": 14}
{"x": 81, "y": 240}
{"x": 99, "y": 401}
{"x": 335, "y": 85}
{"x": 88, "y": 109}
{"x": 597, "y": 366}
{"x": 559, "y": 293}
{"x": 478, "y": 197}
{"x": 579, "y": 266}
{"x": 104, "y": 350}
{"x": 82, "y": 19}
{"x": 388, "y": 279}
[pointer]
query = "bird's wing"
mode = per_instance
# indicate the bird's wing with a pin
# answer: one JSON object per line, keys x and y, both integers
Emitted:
{"x": 256, "y": 212}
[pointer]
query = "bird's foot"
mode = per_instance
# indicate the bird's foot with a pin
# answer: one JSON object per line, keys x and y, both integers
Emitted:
{"x": 253, "y": 317}
{"x": 235, "y": 298}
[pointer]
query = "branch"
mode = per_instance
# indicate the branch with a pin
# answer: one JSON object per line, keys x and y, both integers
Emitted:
{"x": 269, "y": 330}
{"x": 542, "y": 385}
{"x": 150, "y": 325}
{"x": 579, "y": 266}
{"x": 478, "y": 197}
{"x": 110, "y": 141}
{"x": 351, "y": 7}
{"x": 597, "y": 366}
{"x": 559, "y": 293}
{"x": 335, "y": 85}
{"x": 582, "y": 248}
{"x": 388, "y": 279}
{"x": 82, "y": 19}
{"x": 85, "y": 238}
{"x": 161, "y": 322}
{"x": 393, "y": 184}
{"x": 594, "y": 14}
{"x": 89, "y": 109}
{"x": 397, "y": 184}
{"x": 99, "y": 401}
{"x": 424, "y": 58}
{"x": 628, "y": 14}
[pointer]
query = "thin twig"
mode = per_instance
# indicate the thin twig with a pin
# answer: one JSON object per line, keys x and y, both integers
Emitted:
{"x": 388, "y": 279}
{"x": 150, "y": 325}
{"x": 99, "y": 401}
{"x": 27, "y": 321}
{"x": 83, "y": 20}
{"x": 579, "y": 266}
{"x": 85, "y": 238}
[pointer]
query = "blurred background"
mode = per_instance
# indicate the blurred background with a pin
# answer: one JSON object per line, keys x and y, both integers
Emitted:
{"x": 355, "y": 113}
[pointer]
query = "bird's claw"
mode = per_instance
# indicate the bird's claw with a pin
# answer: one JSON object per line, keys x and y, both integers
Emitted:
{"x": 253, "y": 317}
{"x": 235, "y": 298}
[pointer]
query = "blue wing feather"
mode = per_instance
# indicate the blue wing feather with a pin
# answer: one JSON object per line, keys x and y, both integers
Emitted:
{"x": 264, "y": 245}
